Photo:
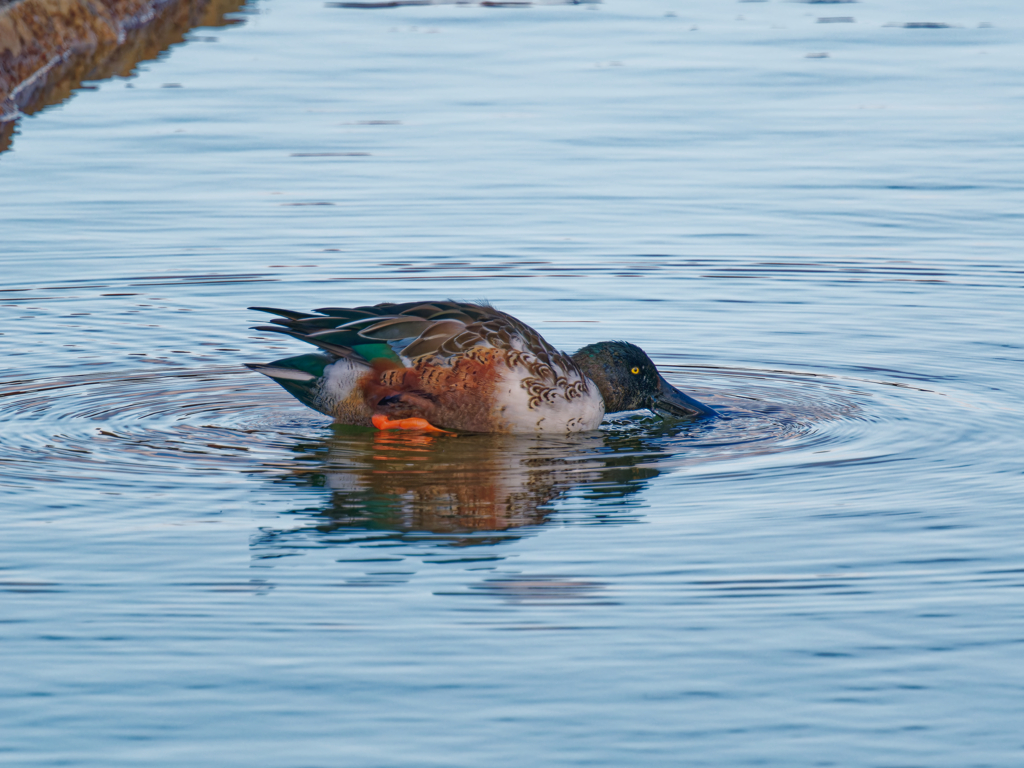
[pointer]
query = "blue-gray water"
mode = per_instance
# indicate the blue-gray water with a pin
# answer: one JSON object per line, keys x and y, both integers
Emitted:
{"x": 197, "y": 571}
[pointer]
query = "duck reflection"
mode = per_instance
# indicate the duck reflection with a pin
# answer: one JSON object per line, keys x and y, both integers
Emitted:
{"x": 470, "y": 489}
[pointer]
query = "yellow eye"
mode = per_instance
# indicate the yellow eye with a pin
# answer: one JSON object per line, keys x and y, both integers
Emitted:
{"x": 635, "y": 369}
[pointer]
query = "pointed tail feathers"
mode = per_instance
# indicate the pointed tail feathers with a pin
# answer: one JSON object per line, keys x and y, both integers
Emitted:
{"x": 300, "y": 376}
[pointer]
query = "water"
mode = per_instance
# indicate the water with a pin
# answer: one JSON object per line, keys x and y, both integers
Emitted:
{"x": 197, "y": 570}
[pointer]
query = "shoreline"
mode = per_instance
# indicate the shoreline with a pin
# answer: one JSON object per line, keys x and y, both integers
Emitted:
{"x": 49, "y": 47}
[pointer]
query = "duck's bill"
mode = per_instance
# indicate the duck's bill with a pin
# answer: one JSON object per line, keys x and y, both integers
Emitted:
{"x": 671, "y": 400}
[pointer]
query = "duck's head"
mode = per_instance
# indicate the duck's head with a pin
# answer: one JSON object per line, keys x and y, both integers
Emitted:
{"x": 629, "y": 381}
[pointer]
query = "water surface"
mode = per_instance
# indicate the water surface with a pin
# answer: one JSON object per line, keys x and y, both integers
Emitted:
{"x": 196, "y": 569}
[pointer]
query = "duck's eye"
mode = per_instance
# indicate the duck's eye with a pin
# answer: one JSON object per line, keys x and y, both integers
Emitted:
{"x": 635, "y": 370}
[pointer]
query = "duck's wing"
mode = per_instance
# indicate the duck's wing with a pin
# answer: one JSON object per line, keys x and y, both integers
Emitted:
{"x": 392, "y": 335}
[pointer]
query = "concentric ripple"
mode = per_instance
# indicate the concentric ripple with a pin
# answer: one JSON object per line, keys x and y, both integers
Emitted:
{"x": 187, "y": 422}
{"x": 169, "y": 421}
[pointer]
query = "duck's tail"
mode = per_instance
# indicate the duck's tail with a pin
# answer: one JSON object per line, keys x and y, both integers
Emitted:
{"x": 300, "y": 376}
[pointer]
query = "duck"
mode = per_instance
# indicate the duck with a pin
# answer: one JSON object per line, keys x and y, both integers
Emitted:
{"x": 448, "y": 366}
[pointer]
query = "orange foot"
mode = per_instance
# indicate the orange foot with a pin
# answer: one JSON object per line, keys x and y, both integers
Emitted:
{"x": 380, "y": 421}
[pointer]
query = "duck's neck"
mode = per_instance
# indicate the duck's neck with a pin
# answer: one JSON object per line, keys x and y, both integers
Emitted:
{"x": 592, "y": 360}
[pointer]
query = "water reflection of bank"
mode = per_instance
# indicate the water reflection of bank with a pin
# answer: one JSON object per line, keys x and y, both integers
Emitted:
{"x": 49, "y": 48}
{"x": 461, "y": 491}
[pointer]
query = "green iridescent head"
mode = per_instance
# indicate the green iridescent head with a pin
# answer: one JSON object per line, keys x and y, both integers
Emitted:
{"x": 629, "y": 381}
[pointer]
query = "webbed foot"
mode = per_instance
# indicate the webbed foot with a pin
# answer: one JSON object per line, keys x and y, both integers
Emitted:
{"x": 380, "y": 421}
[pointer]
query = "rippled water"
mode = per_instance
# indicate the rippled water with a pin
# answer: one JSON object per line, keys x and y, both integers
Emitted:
{"x": 196, "y": 569}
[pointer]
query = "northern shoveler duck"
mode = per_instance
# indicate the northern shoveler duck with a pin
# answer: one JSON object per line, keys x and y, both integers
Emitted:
{"x": 445, "y": 365}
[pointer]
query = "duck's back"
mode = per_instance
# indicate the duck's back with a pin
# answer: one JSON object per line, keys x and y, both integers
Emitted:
{"x": 459, "y": 366}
